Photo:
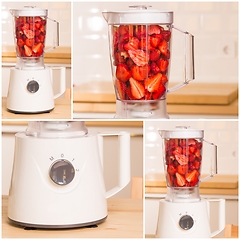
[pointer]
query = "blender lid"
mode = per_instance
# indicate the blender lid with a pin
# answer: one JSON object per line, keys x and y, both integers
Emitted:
{"x": 56, "y": 129}
{"x": 182, "y": 132}
{"x": 30, "y": 11}
{"x": 139, "y": 14}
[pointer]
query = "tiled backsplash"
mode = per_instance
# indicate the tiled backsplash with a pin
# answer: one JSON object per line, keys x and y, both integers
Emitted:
{"x": 59, "y": 11}
{"x": 223, "y": 133}
{"x": 213, "y": 24}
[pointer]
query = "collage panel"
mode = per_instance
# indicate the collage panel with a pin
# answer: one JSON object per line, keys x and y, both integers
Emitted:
{"x": 72, "y": 179}
{"x": 36, "y": 60}
{"x": 191, "y": 178}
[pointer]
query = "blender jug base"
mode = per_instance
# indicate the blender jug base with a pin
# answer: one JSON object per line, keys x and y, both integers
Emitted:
{"x": 141, "y": 109}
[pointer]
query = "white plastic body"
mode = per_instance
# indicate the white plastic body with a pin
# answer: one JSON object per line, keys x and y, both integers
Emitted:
{"x": 35, "y": 200}
{"x": 171, "y": 212}
{"x": 20, "y": 100}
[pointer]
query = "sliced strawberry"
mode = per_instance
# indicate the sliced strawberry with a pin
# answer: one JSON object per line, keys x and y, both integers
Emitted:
{"x": 20, "y": 42}
{"x": 139, "y": 57}
{"x": 154, "y": 29}
{"x": 38, "y": 48}
{"x": 164, "y": 79}
{"x": 182, "y": 159}
{"x": 159, "y": 93}
{"x": 139, "y": 73}
{"x": 123, "y": 29}
{"x": 140, "y": 31}
{"x": 154, "y": 68}
{"x": 29, "y": 42}
{"x": 25, "y": 26}
{"x": 178, "y": 150}
{"x": 27, "y": 51}
{"x": 29, "y": 33}
{"x": 166, "y": 35}
{"x": 192, "y": 141}
{"x": 163, "y": 64}
{"x": 155, "y": 40}
{"x": 197, "y": 165}
{"x": 132, "y": 44}
{"x": 171, "y": 169}
{"x": 180, "y": 180}
{"x": 121, "y": 89}
{"x": 163, "y": 47}
{"x": 182, "y": 169}
{"x": 190, "y": 176}
{"x": 154, "y": 55}
{"x": 152, "y": 83}
{"x": 137, "y": 89}
{"x": 122, "y": 72}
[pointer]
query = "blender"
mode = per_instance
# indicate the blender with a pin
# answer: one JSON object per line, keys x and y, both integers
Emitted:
{"x": 184, "y": 213}
{"x": 57, "y": 177}
{"x": 31, "y": 85}
{"x": 140, "y": 53}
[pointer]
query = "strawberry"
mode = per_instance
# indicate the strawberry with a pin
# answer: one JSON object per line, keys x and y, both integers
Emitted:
{"x": 20, "y": 42}
{"x": 197, "y": 164}
{"x": 27, "y": 51}
{"x": 137, "y": 89}
{"x": 163, "y": 47}
{"x": 140, "y": 31}
{"x": 139, "y": 73}
{"x": 132, "y": 44}
{"x": 154, "y": 68}
{"x": 29, "y": 42}
{"x": 25, "y": 26}
{"x": 162, "y": 64}
{"x": 155, "y": 40}
{"x": 160, "y": 92}
{"x": 180, "y": 180}
{"x": 171, "y": 169}
{"x": 120, "y": 89}
{"x": 37, "y": 48}
{"x": 178, "y": 150}
{"x": 122, "y": 72}
{"x": 154, "y": 29}
{"x": 154, "y": 55}
{"x": 28, "y": 33}
{"x": 123, "y": 29}
{"x": 192, "y": 141}
{"x": 198, "y": 154}
{"x": 190, "y": 176}
{"x": 166, "y": 35}
{"x": 182, "y": 159}
{"x": 139, "y": 57}
{"x": 182, "y": 169}
{"x": 164, "y": 79}
{"x": 152, "y": 83}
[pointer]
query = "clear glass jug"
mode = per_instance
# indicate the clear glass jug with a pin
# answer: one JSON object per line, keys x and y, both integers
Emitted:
{"x": 140, "y": 53}
{"x": 182, "y": 158}
{"x": 30, "y": 26}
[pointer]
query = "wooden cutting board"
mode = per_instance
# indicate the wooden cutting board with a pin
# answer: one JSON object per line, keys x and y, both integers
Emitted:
{"x": 193, "y": 93}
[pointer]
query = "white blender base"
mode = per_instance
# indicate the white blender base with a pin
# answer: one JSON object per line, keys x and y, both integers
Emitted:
{"x": 173, "y": 214}
{"x": 30, "y": 91}
{"x": 141, "y": 109}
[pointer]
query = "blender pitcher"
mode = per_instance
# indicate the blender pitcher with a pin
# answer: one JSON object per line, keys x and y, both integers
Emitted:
{"x": 140, "y": 53}
{"x": 30, "y": 26}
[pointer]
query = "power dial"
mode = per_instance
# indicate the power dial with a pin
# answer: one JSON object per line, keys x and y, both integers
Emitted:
{"x": 186, "y": 222}
{"x": 33, "y": 86}
{"x": 62, "y": 172}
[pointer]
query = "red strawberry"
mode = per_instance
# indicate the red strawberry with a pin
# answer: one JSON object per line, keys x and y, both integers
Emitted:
{"x": 190, "y": 176}
{"x": 121, "y": 89}
{"x": 166, "y": 35}
{"x": 178, "y": 150}
{"x": 164, "y": 79}
{"x": 25, "y": 26}
{"x": 152, "y": 83}
{"x": 140, "y": 31}
{"x": 20, "y": 42}
{"x": 163, "y": 47}
{"x": 163, "y": 64}
{"x": 182, "y": 159}
{"x": 197, "y": 164}
{"x": 137, "y": 89}
{"x": 154, "y": 29}
{"x": 37, "y": 48}
{"x": 123, "y": 29}
{"x": 139, "y": 57}
{"x": 132, "y": 44}
{"x": 29, "y": 33}
{"x": 191, "y": 141}
{"x": 27, "y": 51}
{"x": 182, "y": 169}
{"x": 122, "y": 72}
{"x": 139, "y": 73}
{"x": 171, "y": 169}
{"x": 154, "y": 55}
{"x": 154, "y": 68}
{"x": 155, "y": 40}
{"x": 29, "y": 42}
{"x": 160, "y": 92}
{"x": 180, "y": 179}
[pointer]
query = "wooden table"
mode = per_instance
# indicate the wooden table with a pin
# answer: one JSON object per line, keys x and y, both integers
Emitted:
{"x": 62, "y": 110}
{"x": 125, "y": 220}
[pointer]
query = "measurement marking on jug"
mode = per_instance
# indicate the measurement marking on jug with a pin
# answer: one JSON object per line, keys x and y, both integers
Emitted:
{"x": 51, "y": 158}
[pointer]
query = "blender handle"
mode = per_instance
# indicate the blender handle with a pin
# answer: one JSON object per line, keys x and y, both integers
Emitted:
{"x": 214, "y": 162}
{"x": 221, "y": 218}
{"x": 55, "y": 36}
{"x": 189, "y": 69}
{"x": 62, "y": 86}
{"x": 123, "y": 163}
